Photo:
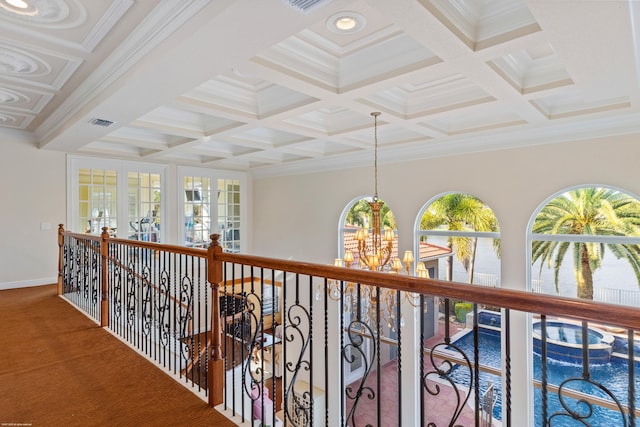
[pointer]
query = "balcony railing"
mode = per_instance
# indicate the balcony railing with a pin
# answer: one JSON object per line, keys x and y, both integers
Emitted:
{"x": 301, "y": 344}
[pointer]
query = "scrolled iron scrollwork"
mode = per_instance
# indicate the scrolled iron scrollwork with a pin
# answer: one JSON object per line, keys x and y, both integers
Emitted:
{"x": 186, "y": 315}
{"x": 132, "y": 301}
{"x": 298, "y": 407}
{"x": 163, "y": 309}
{"x": 77, "y": 262}
{"x": 443, "y": 371}
{"x": 252, "y": 370}
{"x": 116, "y": 298}
{"x": 96, "y": 273}
{"x": 357, "y": 332}
{"x": 67, "y": 267}
{"x": 87, "y": 276}
{"x": 581, "y": 409}
{"x": 147, "y": 300}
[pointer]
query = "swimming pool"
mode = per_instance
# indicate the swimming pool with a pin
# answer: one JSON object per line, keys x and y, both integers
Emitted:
{"x": 613, "y": 375}
{"x": 564, "y": 342}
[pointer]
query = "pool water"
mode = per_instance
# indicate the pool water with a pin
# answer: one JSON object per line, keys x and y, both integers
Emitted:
{"x": 568, "y": 333}
{"x": 614, "y": 376}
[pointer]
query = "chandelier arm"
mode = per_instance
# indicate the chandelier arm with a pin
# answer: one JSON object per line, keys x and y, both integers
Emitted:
{"x": 388, "y": 251}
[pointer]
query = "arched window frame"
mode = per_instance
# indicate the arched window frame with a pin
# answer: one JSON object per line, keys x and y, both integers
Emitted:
{"x": 570, "y": 237}
{"x": 342, "y": 229}
{"x": 419, "y": 232}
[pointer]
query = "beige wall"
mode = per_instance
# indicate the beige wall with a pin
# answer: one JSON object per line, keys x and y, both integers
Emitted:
{"x": 297, "y": 216}
{"x": 32, "y": 190}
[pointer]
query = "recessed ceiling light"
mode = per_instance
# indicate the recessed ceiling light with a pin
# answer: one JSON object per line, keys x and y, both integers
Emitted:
{"x": 19, "y": 7}
{"x": 20, "y": 4}
{"x": 346, "y": 22}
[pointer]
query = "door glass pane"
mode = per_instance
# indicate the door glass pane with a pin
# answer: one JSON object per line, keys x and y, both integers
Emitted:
{"x": 229, "y": 214}
{"x": 197, "y": 211}
{"x": 143, "y": 191}
{"x": 97, "y": 201}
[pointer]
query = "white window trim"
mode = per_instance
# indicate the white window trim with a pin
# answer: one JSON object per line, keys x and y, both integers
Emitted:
{"x": 122, "y": 168}
{"x": 214, "y": 175}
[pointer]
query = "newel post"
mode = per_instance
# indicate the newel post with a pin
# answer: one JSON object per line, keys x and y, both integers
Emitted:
{"x": 104, "y": 301}
{"x": 60, "y": 261}
{"x": 216, "y": 363}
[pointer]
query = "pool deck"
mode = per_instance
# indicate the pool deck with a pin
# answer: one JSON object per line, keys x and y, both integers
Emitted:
{"x": 438, "y": 409}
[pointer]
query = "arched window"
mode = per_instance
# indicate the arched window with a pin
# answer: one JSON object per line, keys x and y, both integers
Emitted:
{"x": 585, "y": 244}
{"x": 459, "y": 239}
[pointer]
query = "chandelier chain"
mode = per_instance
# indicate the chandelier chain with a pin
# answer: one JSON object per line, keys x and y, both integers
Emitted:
{"x": 375, "y": 115}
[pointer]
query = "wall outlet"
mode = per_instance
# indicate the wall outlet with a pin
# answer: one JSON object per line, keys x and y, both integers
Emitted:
{"x": 45, "y": 226}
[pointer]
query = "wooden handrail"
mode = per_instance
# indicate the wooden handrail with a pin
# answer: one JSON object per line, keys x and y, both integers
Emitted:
{"x": 104, "y": 239}
{"x": 626, "y": 317}
{"x": 527, "y": 302}
{"x": 198, "y": 252}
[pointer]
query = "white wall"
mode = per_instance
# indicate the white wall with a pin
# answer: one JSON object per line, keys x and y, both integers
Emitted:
{"x": 32, "y": 192}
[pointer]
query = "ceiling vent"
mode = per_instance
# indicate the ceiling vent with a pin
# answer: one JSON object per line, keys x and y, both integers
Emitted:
{"x": 306, "y": 5}
{"x": 101, "y": 122}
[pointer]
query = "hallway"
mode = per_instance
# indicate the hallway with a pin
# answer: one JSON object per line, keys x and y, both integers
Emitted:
{"x": 58, "y": 368}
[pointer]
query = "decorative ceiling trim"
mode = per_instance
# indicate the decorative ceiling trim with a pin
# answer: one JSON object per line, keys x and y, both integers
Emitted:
{"x": 116, "y": 10}
{"x": 165, "y": 19}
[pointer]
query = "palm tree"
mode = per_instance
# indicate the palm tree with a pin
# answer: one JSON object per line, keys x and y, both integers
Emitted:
{"x": 587, "y": 211}
{"x": 360, "y": 215}
{"x": 460, "y": 212}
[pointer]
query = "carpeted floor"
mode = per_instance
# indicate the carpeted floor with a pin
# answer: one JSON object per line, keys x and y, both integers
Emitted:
{"x": 58, "y": 368}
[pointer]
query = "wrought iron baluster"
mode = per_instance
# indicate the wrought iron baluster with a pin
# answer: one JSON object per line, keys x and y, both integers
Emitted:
{"x": 443, "y": 371}
{"x": 582, "y": 410}
{"x": 631, "y": 352}
{"x": 298, "y": 406}
{"x": 358, "y": 331}
{"x": 507, "y": 362}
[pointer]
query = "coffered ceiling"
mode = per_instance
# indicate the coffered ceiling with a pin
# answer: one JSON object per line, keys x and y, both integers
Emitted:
{"x": 270, "y": 86}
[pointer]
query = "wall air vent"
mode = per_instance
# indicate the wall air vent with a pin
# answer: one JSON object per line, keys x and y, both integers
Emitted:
{"x": 306, "y": 5}
{"x": 101, "y": 122}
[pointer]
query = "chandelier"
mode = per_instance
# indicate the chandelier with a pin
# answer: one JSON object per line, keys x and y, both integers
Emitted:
{"x": 375, "y": 249}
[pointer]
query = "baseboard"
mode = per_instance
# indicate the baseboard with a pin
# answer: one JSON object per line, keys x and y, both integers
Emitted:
{"x": 28, "y": 283}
